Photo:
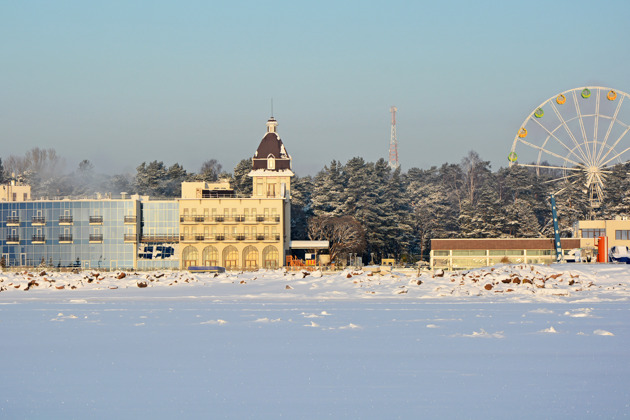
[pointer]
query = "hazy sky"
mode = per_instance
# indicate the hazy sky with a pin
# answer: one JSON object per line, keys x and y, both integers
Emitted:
{"x": 122, "y": 82}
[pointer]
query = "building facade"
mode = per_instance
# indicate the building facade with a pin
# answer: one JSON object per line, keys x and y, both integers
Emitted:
{"x": 69, "y": 233}
{"x": 158, "y": 235}
{"x": 14, "y": 191}
{"x": 464, "y": 254}
{"x": 207, "y": 226}
{"x": 218, "y": 228}
{"x": 617, "y": 231}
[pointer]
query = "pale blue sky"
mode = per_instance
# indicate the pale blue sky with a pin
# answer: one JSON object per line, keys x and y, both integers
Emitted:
{"x": 122, "y": 82}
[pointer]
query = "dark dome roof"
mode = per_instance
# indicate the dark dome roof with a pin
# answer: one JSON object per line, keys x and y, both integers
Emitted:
{"x": 271, "y": 146}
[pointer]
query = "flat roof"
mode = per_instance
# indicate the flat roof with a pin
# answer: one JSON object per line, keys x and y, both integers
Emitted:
{"x": 308, "y": 244}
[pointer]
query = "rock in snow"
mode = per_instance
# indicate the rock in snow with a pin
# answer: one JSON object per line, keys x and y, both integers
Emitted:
{"x": 518, "y": 282}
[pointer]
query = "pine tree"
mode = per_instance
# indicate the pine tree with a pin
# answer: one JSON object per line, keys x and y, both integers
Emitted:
{"x": 572, "y": 204}
{"x": 175, "y": 175}
{"x": 401, "y": 233}
{"x": 150, "y": 178}
{"x": 301, "y": 208}
{"x": 3, "y": 175}
{"x": 362, "y": 201}
{"x": 616, "y": 193}
{"x": 241, "y": 181}
{"x": 328, "y": 196}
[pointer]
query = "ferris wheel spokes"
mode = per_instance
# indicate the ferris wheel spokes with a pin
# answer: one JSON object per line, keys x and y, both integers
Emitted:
{"x": 582, "y": 129}
{"x": 562, "y": 168}
{"x": 571, "y": 151}
{"x": 562, "y": 178}
{"x": 612, "y": 123}
{"x": 568, "y": 130}
{"x": 570, "y": 146}
{"x": 596, "y": 124}
{"x": 542, "y": 149}
{"x": 613, "y": 148}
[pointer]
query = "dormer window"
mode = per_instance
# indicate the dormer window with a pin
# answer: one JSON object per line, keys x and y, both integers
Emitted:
{"x": 271, "y": 162}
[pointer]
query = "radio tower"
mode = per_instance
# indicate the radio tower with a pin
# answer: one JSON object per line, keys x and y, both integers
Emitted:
{"x": 393, "y": 143}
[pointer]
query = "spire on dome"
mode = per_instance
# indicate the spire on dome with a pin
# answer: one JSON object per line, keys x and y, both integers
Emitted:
{"x": 271, "y": 153}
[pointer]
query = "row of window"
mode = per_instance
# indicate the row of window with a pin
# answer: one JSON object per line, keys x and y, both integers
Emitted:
{"x": 623, "y": 235}
{"x": 247, "y": 213}
{"x": 465, "y": 263}
{"x": 593, "y": 233}
{"x": 12, "y": 237}
{"x": 492, "y": 252}
{"x": 65, "y": 219}
{"x": 226, "y": 219}
{"x": 229, "y": 230}
{"x": 230, "y": 258}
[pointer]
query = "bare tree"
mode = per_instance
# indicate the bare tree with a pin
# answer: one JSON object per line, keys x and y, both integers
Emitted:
{"x": 344, "y": 234}
{"x": 44, "y": 162}
{"x": 210, "y": 171}
{"x": 475, "y": 172}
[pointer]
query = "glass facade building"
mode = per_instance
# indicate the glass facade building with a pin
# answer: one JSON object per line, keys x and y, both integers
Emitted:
{"x": 68, "y": 233}
{"x": 158, "y": 245}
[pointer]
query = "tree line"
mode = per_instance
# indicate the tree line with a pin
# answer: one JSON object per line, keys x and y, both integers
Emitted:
{"x": 50, "y": 177}
{"x": 400, "y": 212}
{"x": 366, "y": 207}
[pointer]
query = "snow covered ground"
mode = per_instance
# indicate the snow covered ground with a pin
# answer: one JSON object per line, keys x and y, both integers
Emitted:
{"x": 516, "y": 340}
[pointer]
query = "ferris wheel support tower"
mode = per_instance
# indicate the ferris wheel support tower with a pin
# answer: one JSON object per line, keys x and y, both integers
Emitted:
{"x": 393, "y": 143}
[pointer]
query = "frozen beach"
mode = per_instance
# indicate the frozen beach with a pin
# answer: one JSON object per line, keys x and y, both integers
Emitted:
{"x": 517, "y": 340}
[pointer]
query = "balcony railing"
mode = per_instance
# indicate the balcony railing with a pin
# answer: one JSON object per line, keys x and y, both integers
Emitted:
{"x": 194, "y": 237}
{"x": 192, "y": 219}
{"x": 65, "y": 220}
{"x": 96, "y": 220}
{"x": 221, "y": 237}
{"x": 13, "y": 220}
{"x": 130, "y": 237}
{"x": 260, "y": 218}
{"x": 130, "y": 219}
{"x": 13, "y": 238}
{"x": 96, "y": 237}
{"x": 239, "y": 218}
{"x": 38, "y": 220}
{"x": 65, "y": 238}
{"x": 219, "y": 219}
{"x": 39, "y": 238}
{"x": 160, "y": 238}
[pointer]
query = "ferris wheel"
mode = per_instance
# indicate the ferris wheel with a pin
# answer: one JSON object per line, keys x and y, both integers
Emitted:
{"x": 576, "y": 136}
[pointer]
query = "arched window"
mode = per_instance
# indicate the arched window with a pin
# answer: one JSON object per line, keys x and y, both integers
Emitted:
{"x": 210, "y": 256}
{"x": 230, "y": 257}
{"x": 250, "y": 257}
{"x": 270, "y": 257}
{"x": 271, "y": 162}
{"x": 190, "y": 256}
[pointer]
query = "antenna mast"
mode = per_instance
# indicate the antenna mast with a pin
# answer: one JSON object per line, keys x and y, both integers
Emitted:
{"x": 393, "y": 143}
